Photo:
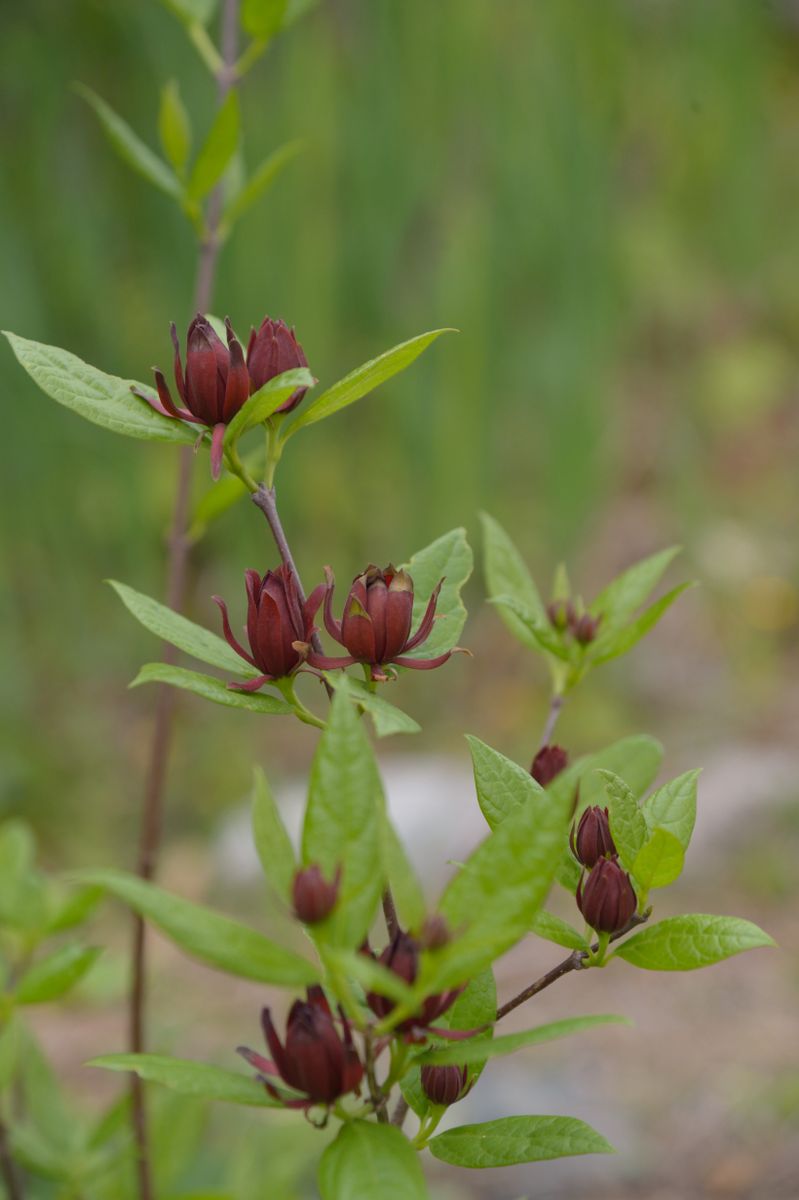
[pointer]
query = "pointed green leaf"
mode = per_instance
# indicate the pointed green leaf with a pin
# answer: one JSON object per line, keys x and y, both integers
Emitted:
{"x": 365, "y": 379}
{"x": 263, "y": 403}
{"x": 673, "y": 807}
{"x": 102, "y": 399}
{"x": 190, "y": 1078}
{"x": 614, "y": 645}
{"x": 538, "y": 633}
{"x": 506, "y": 574}
{"x": 370, "y": 1160}
{"x": 217, "y": 150}
{"x": 344, "y": 823}
{"x": 627, "y": 592}
{"x": 408, "y": 894}
{"x": 271, "y": 839}
{"x": 214, "y": 939}
{"x": 259, "y": 183}
{"x": 174, "y": 126}
{"x": 513, "y": 1140}
{"x": 191, "y": 11}
{"x": 212, "y": 689}
{"x": 129, "y": 146}
{"x": 547, "y": 925}
{"x": 636, "y": 759}
{"x": 262, "y": 19}
{"x": 627, "y": 822}
{"x": 449, "y": 558}
{"x": 502, "y": 785}
{"x": 689, "y": 942}
{"x": 659, "y": 861}
{"x": 78, "y": 906}
{"x": 9, "y": 1043}
{"x": 478, "y": 1050}
{"x": 54, "y": 975}
{"x": 386, "y": 717}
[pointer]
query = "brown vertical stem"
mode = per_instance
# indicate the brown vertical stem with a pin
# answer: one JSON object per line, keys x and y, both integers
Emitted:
{"x": 555, "y": 706}
{"x": 177, "y": 572}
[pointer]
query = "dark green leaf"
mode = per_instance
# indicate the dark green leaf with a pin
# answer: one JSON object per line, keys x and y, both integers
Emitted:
{"x": 217, "y": 150}
{"x": 517, "y": 1140}
{"x": 53, "y": 976}
{"x": 271, "y": 839}
{"x": 478, "y": 1050}
{"x": 174, "y": 126}
{"x": 502, "y": 785}
{"x": 190, "y": 1078}
{"x": 129, "y": 146}
{"x": 673, "y": 807}
{"x": 449, "y": 558}
{"x": 263, "y": 403}
{"x": 371, "y": 1162}
{"x": 212, "y": 689}
{"x": 259, "y": 183}
{"x": 688, "y": 942}
{"x": 507, "y": 575}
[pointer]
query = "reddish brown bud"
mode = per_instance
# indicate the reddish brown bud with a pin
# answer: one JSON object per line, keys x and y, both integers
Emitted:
{"x": 561, "y": 614}
{"x": 548, "y": 762}
{"x": 585, "y": 628}
{"x": 593, "y": 839}
{"x": 607, "y": 900}
{"x": 401, "y": 956}
{"x": 314, "y": 898}
{"x": 445, "y": 1085}
{"x": 434, "y": 932}
{"x": 271, "y": 351}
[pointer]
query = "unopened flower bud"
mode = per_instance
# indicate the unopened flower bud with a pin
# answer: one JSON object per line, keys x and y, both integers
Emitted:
{"x": 548, "y": 762}
{"x": 445, "y": 1085}
{"x": 607, "y": 899}
{"x": 271, "y": 351}
{"x": 314, "y": 898}
{"x": 561, "y": 614}
{"x": 585, "y": 628}
{"x": 593, "y": 839}
{"x": 434, "y": 932}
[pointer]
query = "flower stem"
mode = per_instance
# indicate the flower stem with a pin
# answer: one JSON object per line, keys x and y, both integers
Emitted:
{"x": 286, "y": 686}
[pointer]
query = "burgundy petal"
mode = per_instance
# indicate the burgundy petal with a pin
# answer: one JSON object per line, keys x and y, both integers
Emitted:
{"x": 332, "y": 626}
{"x": 423, "y": 664}
{"x": 228, "y": 632}
{"x": 252, "y": 685}
{"x": 178, "y": 365}
{"x": 426, "y": 623}
{"x": 237, "y": 388}
{"x": 217, "y": 449}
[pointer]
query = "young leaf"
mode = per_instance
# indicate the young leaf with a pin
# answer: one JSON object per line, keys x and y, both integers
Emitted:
{"x": 262, "y": 19}
{"x": 174, "y": 127}
{"x": 513, "y": 1140}
{"x": 627, "y": 592}
{"x": 171, "y": 627}
{"x": 55, "y": 975}
{"x": 688, "y": 942}
{"x": 217, "y": 150}
{"x": 370, "y": 1160}
{"x": 102, "y": 399}
{"x": 502, "y": 785}
{"x": 365, "y": 379}
{"x": 539, "y": 633}
{"x": 507, "y": 575}
{"x": 191, "y": 11}
{"x": 673, "y": 807}
{"x": 190, "y": 1078}
{"x": 258, "y": 184}
{"x": 548, "y": 926}
{"x": 659, "y": 861}
{"x": 78, "y": 906}
{"x": 212, "y": 689}
{"x": 130, "y": 148}
{"x": 370, "y": 974}
{"x": 477, "y": 1050}
{"x": 616, "y": 644}
{"x": 271, "y": 839}
{"x": 344, "y": 823}
{"x": 636, "y": 760}
{"x": 206, "y": 935}
{"x": 386, "y": 717}
{"x": 9, "y": 1042}
{"x": 263, "y": 403}
{"x": 627, "y": 822}
{"x": 449, "y": 558}
{"x": 405, "y": 886}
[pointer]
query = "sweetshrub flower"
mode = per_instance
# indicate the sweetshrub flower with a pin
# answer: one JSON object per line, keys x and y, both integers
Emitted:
{"x": 607, "y": 900}
{"x": 445, "y": 1085}
{"x": 313, "y": 896}
{"x": 271, "y": 351}
{"x": 593, "y": 839}
{"x": 401, "y": 956}
{"x": 548, "y": 763}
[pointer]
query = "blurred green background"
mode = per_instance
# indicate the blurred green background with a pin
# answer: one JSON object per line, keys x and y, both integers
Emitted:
{"x": 601, "y": 197}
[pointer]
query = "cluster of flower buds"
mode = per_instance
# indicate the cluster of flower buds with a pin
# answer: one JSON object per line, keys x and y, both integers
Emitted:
{"x": 313, "y": 896}
{"x": 564, "y": 617}
{"x": 607, "y": 898}
{"x": 315, "y": 1060}
{"x": 218, "y": 379}
{"x": 548, "y": 764}
{"x": 401, "y": 956}
{"x": 445, "y": 1085}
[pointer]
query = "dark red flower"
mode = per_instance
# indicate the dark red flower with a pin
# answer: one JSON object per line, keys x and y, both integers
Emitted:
{"x": 375, "y": 628}
{"x": 314, "y": 898}
{"x": 277, "y": 622}
{"x": 316, "y": 1060}
{"x": 607, "y": 900}
{"x": 548, "y": 762}
{"x": 401, "y": 956}
{"x": 593, "y": 839}
{"x": 445, "y": 1085}
{"x": 271, "y": 351}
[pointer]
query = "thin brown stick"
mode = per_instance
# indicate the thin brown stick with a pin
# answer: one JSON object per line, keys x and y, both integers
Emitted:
{"x": 390, "y": 913}
{"x": 376, "y": 1093}
{"x": 8, "y": 1170}
{"x": 400, "y": 1113}
{"x": 177, "y": 571}
{"x": 556, "y": 704}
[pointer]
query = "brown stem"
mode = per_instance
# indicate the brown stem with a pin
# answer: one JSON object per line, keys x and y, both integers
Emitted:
{"x": 8, "y": 1170}
{"x": 390, "y": 913}
{"x": 177, "y": 570}
{"x": 400, "y": 1113}
{"x": 575, "y": 962}
{"x": 556, "y": 704}
{"x": 376, "y": 1094}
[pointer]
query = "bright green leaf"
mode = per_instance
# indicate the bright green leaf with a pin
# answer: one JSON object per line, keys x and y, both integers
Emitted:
{"x": 53, "y": 976}
{"x": 673, "y": 807}
{"x": 501, "y": 784}
{"x": 191, "y": 11}
{"x": 174, "y": 126}
{"x": 547, "y": 925}
{"x": 262, "y": 19}
{"x": 688, "y": 942}
{"x": 78, "y": 906}
{"x": 507, "y": 575}
{"x": 627, "y": 823}
{"x": 539, "y": 633}
{"x": 406, "y": 889}
{"x": 477, "y": 1050}
{"x": 263, "y": 403}
{"x": 212, "y": 689}
{"x": 449, "y": 558}
{"x": 129, "y": 146}
{"x": 217, "y": 150}
{"x": 517, "y": 1140}
{"x": 9, "y": 1042}
{"x": 190, "y": 1078}
{"x": 372, "y": 1161}
{"x": 659, "y": 861}
{"x": 271, "y": 839}
{"x": 259, "y": 183}
{"x": 619, "y": 643}
{"x": 386, "y": 717}
{"x": 627, "y": 592}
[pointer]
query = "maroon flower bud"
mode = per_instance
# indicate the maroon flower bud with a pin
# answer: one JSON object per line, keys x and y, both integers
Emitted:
{"x": 314, "y": 898}
{"x": 315, "y": 1060}
{"x": 279, "y": 626}
{"x": 376, "y": 626}
{"x": 585, "y": 628}
{"x": 401, "y": 956}
{"x": 548, "y": 762}
{"x": 593, "y": 839}
{"x": 561, "y": 614}
{"x": 445, "y": 1085}
{"x": 271, "y": 351}
{"x": 434, "y": 933}
{"x": 607, "y": 901}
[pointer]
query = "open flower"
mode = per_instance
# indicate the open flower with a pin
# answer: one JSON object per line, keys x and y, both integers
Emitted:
{"x": 375, "y": 628}
{"x": 315, "y": 1060}
{"x": 277, "y": 621}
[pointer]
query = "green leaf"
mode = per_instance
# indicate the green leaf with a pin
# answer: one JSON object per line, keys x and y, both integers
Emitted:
{"x": 478, "y": 1050}
{"x": 660, "y": 861}
{"x": 223, "y": 494}
{"x": 171, "y": 627}
{"x": 263, "y": 403}
{"x": 502, "y": 785}
{"x": 129, "y": 146}
{"x": 540, "y": 634}
{"x": 513, "y": 1140}
{"x": 370, "y": 1160}
{"x": 78, "y": 906}
{"x": 56, "y": 974}
{"x": 206, "y": 935}
{"x": 262, "y": 19}
{"x": 405, "y": 886}
{"x": 17, "y": 850}
{"x": 673, "y": 807}
{"x": 688, "y": 942}
{"x": 217, "y": 150}
{"x": 604, "y": 649}
{"x": 191, "y": 11}
{"x": 449, "y": 558}
{"x": 507, "y": 575}
{"x": 9, "y": 1043}
{"x": 365, "y": 379}
{"x": 259, "y": 183}
{"x": 636, "y": 759}
{"x": 174, "y": 127}
{"x": 548, "y": 926}
{"x": 190, "y": 1078}
{"x": 344, "y": 823}
{"x": 370, "y": 974}
{"x": 102, "y": 399}
{"x": 212, "y": 689}
{"x": 271, "y": 839}
{"x": 627, "y": 822}
{"x": 386, "y": 717}
{"x": 627, "y": 592}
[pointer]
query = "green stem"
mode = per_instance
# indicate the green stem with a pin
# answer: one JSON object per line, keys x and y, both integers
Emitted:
{"x": 251, "y": 56}
{"x": 201, "y": 40}
{"x": 428, "y": 1127}
{"x": 237, "y": 468}
{"x": 286, "y": 686}
{"x": 274, "y": 450}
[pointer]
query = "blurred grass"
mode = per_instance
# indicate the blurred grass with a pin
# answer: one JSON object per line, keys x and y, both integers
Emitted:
{"x": 602, "y": 199}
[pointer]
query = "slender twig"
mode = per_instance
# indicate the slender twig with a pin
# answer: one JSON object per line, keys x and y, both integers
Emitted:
{"x": 556, "y": 704}
{"x": 390, "y": 913}
{"x": 376, "y": 1093}
{"x": 400, "y": 1113}
{"x": 177, "y": 570}
{"x": 575, "y": 962}
{"x": 8, "y": 1170}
